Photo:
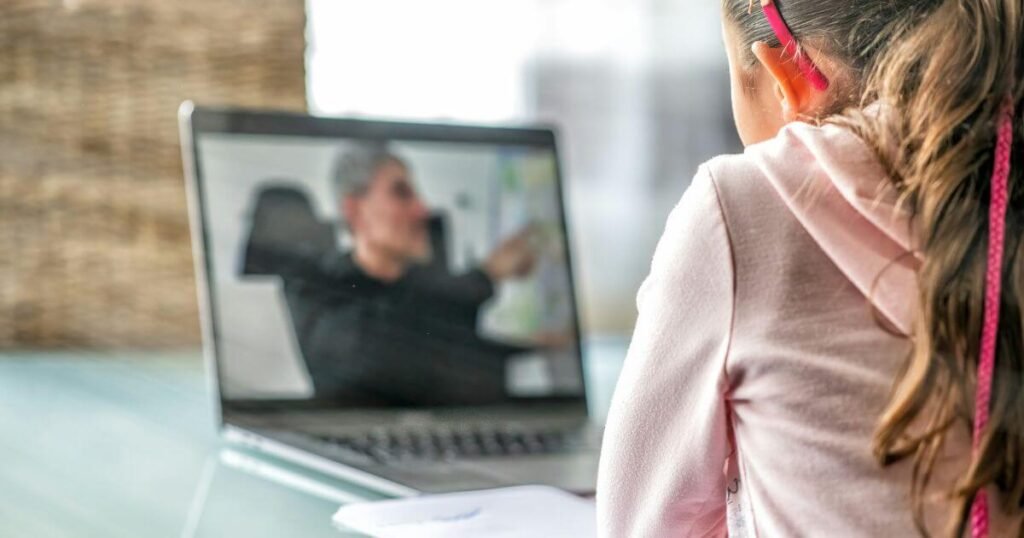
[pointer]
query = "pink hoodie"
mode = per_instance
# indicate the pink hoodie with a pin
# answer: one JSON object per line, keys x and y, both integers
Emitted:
{"x": 760, "y": 365}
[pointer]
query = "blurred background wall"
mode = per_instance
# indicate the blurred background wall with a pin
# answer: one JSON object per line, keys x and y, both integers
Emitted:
{"x": 94, "y": 241}
{"x": 94, "y": 245}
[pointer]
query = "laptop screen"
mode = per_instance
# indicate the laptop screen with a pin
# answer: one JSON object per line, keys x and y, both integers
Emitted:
{"x": 371, "y": 264}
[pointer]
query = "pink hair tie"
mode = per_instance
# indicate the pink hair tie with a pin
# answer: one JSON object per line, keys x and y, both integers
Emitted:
{"x": 993, "y": 289}
{"x": 806, "y": 66}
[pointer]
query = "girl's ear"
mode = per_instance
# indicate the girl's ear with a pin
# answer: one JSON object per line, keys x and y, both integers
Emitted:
{"x": 791, "y": 88}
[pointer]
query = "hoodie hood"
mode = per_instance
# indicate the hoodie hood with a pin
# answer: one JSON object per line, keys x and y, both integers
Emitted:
{"x": 835, "y": 186}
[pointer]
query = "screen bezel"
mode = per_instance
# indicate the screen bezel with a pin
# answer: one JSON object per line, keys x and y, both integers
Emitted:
{"x": 200, "y": 121}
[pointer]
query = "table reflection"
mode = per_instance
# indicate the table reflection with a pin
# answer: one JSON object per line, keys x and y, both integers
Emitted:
{"x": 244, "y": 494}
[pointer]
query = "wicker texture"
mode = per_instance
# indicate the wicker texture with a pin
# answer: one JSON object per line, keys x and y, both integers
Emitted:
{"x": 94, "y": 242}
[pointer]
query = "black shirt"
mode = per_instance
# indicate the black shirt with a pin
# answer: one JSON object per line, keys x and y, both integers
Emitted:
{"x": 409, "y": 342}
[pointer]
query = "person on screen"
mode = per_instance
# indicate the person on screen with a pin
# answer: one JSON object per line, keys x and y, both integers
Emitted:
{"x": 381, "y": 324}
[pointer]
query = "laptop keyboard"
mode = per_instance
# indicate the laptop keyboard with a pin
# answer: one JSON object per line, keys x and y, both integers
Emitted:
{"x": 387, "y": 446}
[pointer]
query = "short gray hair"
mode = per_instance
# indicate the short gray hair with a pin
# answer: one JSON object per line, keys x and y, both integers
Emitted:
{"x": 356, "y": 164}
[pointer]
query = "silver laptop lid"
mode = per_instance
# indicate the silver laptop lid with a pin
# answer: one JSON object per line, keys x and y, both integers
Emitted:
{"x": 362, "y": 265}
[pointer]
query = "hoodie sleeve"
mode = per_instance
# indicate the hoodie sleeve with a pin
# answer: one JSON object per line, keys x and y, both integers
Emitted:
{"x": 666, "y": 442}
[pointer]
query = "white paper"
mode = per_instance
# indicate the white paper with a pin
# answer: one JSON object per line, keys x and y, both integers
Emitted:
{"x": 516, "y": 512}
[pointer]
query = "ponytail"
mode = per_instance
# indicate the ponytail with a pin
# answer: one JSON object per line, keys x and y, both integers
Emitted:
{"x": 949, "y": 87}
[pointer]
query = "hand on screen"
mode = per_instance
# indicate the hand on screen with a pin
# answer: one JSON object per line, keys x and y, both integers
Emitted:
{"x": 555, "y": 339}
{"x": 514, "y": 257}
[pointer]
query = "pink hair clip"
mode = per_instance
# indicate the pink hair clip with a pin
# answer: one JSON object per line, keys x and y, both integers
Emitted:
{"x": 807, "y": 67}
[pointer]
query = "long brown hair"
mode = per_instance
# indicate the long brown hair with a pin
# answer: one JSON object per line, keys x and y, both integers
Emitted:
{"x": 939, "y": 70}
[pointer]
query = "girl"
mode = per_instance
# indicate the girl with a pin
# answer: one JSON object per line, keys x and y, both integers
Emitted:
{"x": 815, "y": 347}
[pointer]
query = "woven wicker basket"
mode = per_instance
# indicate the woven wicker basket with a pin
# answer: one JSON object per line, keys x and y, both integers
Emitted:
{"x": 94, "y": 243}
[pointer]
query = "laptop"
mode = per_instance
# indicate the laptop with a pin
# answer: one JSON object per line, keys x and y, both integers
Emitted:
{"x": 389, "y": 303}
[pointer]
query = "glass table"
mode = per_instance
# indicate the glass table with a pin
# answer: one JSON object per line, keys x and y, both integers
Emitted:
{"x": 112, "y": 445}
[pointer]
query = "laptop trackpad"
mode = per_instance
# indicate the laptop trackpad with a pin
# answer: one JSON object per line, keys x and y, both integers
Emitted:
{"x": 572, "y": 472}
{"x": 438, "y": 476}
